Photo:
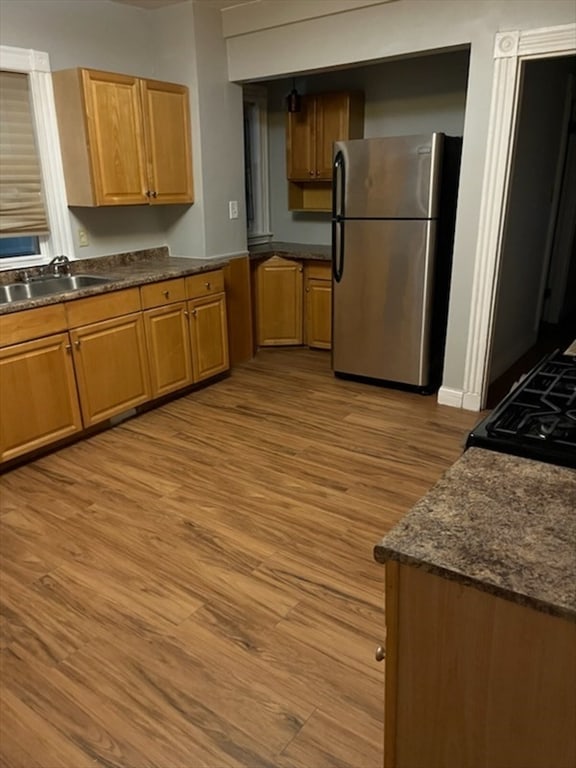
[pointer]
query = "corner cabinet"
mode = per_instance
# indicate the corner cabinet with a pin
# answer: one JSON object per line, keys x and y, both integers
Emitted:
{"x": 279, "y": 286}
{"x": 310, "y": 136}
{"x": 124, "y": 140}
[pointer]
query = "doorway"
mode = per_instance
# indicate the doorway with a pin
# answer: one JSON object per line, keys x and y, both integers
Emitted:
{"x": 534, "y": 313}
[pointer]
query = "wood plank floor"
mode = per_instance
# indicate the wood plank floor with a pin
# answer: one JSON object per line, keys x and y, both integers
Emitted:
{"x": 196, "y": 586}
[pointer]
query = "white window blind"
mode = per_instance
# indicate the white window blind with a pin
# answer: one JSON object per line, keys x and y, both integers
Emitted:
{"x": 22, "y": 210}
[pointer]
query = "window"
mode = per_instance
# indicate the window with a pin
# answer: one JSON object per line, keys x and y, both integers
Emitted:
{"x": 30, "y": 239}
{"x": 256, "y": 164}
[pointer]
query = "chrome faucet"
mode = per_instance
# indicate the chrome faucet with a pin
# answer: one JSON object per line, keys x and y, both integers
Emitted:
{"x": 60, "y": 265}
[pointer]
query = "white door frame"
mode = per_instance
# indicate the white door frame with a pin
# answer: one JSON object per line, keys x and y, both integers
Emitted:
{"x": 511, "y": 49}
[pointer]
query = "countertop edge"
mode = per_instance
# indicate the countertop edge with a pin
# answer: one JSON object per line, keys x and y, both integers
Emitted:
{"x": 385, "y": 554}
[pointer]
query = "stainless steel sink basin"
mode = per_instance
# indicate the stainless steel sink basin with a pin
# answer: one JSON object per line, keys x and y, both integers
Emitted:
{"x": 48, "y": 286}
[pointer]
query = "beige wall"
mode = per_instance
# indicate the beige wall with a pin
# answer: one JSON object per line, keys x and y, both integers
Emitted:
{"x": 164, "y": 44}
{"x": 402, "y": 28}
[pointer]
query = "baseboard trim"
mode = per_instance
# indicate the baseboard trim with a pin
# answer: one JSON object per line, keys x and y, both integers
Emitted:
{"x": 451, "y": 397}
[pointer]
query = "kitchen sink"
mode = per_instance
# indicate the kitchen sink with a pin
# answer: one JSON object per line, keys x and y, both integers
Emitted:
{"x": 47, "y": 286}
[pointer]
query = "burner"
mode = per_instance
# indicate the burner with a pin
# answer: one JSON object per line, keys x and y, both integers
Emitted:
{"x": 538, "y": 417}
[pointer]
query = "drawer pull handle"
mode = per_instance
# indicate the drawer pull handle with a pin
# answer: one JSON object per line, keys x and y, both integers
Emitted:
{"x": 207, "y": 286}
{"x": 166, "y": 294}
{"x": 380, "y": 654}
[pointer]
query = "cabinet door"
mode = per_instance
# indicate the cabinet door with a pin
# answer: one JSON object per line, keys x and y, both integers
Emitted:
{"x": 209, "y": 337}
{"x": 38, "y": 399}
{"x": 332, "y": 124}
{"x": 111, "y": 367}
{"x": 116, "y": 138}
{"x": 300, "y": 142}
{"x": 167, "y": 127}
{"x": 168, "y": 343}
{"x": 279, "y": 289}
{"x": 319, "y": 313}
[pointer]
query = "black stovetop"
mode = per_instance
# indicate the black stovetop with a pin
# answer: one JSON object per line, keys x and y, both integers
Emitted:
{"x": 537, "y": 419}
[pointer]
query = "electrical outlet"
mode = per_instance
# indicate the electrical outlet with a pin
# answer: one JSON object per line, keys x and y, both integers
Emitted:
{"x": 233, "y": 209}
{"x": 83, "y": 238}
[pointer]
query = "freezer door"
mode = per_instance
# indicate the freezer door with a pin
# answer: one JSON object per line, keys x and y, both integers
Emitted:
{"x": 382, "y": 305}
{"x": 391, "y": 177}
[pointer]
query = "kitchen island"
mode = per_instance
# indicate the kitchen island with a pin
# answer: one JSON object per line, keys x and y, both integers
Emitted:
{"x": 481, "y": 619}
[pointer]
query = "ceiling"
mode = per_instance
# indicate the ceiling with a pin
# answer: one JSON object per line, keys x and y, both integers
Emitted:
{"x": 151, "y": 4}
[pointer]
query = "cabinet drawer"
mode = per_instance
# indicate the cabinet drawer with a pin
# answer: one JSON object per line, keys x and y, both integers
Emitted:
{"x": 102, "y": 307}
{"x": 32, "y": 324}
{"x": 205, "y": 284}
{"x": 319, "y": 270}
{"x": 166, "y": 292}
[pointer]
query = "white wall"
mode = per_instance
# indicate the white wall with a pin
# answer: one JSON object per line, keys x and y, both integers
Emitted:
{"x": 405, "y": 28}
{"x": 416, "y": 95}
{"x": 531, "y": 190}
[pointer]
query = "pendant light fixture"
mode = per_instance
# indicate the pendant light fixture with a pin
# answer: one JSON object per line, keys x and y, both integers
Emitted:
{"x": 293, "y": 100}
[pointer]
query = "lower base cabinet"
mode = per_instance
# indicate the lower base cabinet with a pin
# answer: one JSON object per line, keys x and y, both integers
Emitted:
{"x": 168, "y": 342}
{"x": 111, "y": 367}
{"x": 473, "y": 679}
{"x": 208, "y": 336}
{"x": 38, "y": 398}
{"x": 282, "y": 316}
{"x": 106, "y": 354}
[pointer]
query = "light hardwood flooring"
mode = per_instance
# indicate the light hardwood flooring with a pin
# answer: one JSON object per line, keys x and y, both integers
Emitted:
{"x": 196, "y": 587}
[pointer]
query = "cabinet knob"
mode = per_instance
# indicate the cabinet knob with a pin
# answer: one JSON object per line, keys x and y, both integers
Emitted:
{"x": 307, "y": 290}
{"x": 311, "y": 173}
{"x": 68, "y": 347}
{"x": 300, "y": 269}
{"x": 186, "y": 313}
{"x": 207, "y": 286}
{"x": 317, "y": 173}
{"x": 77, "y": 344}
{"x": 154, "y": 194}
{"x": 148, "y": 193}
{"x": 193, "y": 313}
{"x": 166, "y": 294}
{"x": 380, "y": 654}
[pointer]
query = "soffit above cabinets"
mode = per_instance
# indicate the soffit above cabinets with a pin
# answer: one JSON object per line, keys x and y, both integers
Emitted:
{"x": 154, "y": 4}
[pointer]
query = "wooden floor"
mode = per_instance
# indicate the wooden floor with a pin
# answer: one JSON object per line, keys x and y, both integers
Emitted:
{"x": 196, "y": 586}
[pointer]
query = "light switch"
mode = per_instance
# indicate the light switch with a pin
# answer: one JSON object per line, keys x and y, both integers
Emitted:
{"x": 83, "y": 238}
{"x": 233, "y": 209}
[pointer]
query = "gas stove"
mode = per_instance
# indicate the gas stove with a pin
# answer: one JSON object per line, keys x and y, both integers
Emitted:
{"x": 537, "y": 419}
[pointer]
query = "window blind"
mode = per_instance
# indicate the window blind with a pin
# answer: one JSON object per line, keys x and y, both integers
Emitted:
{"x": 22, "y": 209}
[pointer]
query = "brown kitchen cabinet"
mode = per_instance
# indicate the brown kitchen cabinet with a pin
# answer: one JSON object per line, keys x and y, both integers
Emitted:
{"x": 208, "y": 324}
{"x": 124, "y": 140}
{"x": 167, "y": 335}
{"x": 279, "y": 287}
{"x": 318, "y": 310}
{"x": 473, "y": 679}
{"x": 38, "y": 398}
{"x": 323, "y": 119}
{"x": 110, "y": 357}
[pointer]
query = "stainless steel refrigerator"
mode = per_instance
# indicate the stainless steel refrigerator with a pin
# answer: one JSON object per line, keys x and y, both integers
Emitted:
{"x": 387, "y": 287}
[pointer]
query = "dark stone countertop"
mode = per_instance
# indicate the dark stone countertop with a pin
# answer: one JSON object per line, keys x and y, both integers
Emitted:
{"x": 125, "y": 270}
{"x": 503, "y": 524}
{"x": 291, "y": 251}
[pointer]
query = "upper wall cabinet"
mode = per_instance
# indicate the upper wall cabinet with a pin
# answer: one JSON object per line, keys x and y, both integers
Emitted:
{"x": 323, "y": 119}
{"x": 124, "y": 140}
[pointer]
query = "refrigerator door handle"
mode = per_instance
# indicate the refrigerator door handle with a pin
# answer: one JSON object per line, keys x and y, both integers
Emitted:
{"x": 338, "y": 186}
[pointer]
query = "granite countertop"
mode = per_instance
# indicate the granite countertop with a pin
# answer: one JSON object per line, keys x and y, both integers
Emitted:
{"x": 125, "y": 270}
{"x": 503, "y": 524}
{"x": 292, "y": 251}
{"x": 133, "y": 268}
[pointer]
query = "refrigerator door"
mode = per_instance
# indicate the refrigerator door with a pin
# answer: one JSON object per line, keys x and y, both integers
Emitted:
{"x": 389, "y": 178}
{"x": 382, "y": 304}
